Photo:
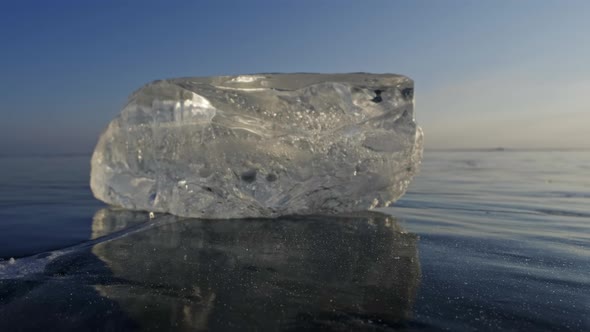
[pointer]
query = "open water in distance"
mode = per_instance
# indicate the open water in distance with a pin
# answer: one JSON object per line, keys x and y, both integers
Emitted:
{"x": 481, "y": 241}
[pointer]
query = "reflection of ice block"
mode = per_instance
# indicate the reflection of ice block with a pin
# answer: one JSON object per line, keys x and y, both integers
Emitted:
{"x": 260, "y": 145}
{"x": 108, "y": 221}
{"x": 289, "y": 273}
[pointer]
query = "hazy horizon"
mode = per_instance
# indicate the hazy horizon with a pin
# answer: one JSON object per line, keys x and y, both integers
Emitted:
{"x": 487, "y": 74}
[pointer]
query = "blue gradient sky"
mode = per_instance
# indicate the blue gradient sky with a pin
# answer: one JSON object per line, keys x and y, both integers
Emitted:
{"x": 488, "y": 73}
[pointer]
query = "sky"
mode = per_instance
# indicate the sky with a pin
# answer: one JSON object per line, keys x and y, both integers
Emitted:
{"x": 487, "y": 73}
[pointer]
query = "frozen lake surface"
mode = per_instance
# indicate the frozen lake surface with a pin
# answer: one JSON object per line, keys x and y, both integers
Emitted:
{"x": 481, "y": 241}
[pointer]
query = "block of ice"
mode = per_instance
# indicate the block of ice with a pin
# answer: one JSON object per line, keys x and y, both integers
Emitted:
{"x": 260, "y": 145}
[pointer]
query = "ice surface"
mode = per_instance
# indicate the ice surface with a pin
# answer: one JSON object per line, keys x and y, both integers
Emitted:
{"x": 260, "y": 145}
{"x": 358, "y": 272}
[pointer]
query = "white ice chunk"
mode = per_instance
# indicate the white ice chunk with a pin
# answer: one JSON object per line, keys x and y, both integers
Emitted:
{"x": 261, "y": 145}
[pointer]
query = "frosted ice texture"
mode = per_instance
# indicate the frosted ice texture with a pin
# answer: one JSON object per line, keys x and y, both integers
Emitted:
{"x": 260, "y": 145}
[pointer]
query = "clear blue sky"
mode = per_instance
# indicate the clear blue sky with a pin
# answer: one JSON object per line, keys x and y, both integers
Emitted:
{"x": 487, "y": 73}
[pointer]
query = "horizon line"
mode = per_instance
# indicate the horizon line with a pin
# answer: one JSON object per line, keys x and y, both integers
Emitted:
{"x": 496, "y": 149}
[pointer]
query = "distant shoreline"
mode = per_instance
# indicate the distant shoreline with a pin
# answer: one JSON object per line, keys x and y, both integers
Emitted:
{"x": 507, "y": 149}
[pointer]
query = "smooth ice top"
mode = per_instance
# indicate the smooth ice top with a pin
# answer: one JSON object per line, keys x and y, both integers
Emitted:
{"x": 291, "y": 82}
{"x": 260, "y": 145}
